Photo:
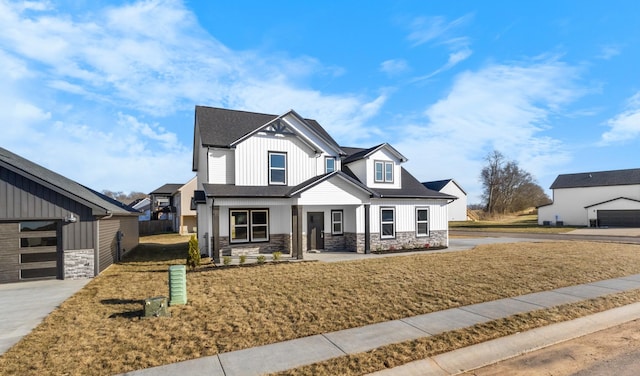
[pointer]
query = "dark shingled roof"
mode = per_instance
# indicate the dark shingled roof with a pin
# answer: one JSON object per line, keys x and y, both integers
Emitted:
{"x": 597, "y": 179}
{"x": 436, "y": 185}
{"x": 101, "y": 204}
{"x": 167, "y": 189}
{"x": 411, "y": 188}
{"x": 220, "y": 127}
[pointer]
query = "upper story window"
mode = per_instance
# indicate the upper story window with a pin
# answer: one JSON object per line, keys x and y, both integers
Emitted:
{"x": 383, "y": 172}
{"x": 277, "y": 168}
{"x": 329, "y": 164}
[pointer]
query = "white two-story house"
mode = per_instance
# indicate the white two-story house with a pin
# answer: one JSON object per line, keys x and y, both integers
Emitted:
{"x": 268, "y": 183}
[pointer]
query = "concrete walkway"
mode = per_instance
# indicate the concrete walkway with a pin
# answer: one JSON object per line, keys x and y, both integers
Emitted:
{"x": 24, "y": 305}
{"x": 303, "y": 351}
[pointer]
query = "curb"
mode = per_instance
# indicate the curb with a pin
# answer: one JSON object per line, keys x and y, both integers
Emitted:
{"x": 486, "y": 353}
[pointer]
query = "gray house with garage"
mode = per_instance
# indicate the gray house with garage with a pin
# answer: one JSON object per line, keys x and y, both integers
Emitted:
{"x": 54, "y": 228}
{"x": 595, "y": 199}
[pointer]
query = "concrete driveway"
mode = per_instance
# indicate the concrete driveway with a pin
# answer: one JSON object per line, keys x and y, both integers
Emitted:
{"x": 24, "y": 305}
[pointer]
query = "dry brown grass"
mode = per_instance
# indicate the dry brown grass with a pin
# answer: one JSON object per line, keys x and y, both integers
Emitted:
{"x": 98, "y": 330}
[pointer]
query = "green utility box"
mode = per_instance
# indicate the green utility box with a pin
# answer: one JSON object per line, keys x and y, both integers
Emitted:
{"x": 156, "y": 307}
{"x": 177, "y": 284}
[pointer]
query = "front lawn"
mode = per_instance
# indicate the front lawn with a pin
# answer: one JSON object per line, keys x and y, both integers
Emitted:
{"x": 99, "y": 330}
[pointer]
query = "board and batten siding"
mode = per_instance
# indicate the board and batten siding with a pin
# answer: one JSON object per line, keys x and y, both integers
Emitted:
{"x": 336, "y": 191}
{"x": 22, "y": 199}
{"x": 406, "y": 214}
{"x": 279, "y": 215}
{"x": 252, "y": 160}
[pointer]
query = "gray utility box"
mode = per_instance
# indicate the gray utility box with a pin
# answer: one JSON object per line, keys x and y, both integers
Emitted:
{"x": 156, "y": 307}
{"x": 177, "y": 284}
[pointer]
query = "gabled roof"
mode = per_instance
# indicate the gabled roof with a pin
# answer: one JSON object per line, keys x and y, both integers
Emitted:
{"x": 99, "y": 203}
{"x": 612, "y": 200}
{"x": 437, "y": 185}
{"x": 354, "y": 154}
{"x": 220, "y": 127}
{"x": 167, "y": 189}
{"x": 597, "y": 179}
{"x": 335, "y": 174}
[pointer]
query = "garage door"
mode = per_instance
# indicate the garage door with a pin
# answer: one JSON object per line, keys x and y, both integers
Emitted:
{"x": 29, "y": 250}
{"x": 619, "y": 218}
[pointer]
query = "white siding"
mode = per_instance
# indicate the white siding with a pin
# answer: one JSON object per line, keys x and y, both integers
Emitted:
{"x": 569, "y": 203}
{"x": 279, "y": 217}
{"x": 385, "y": 156}
{"x": 359, "y": 169}
{"x": 406, "y": 214}
{"x": 621, "y": 204}
{"x": 458, "y": 208}
{"x": 221, "y": 166}
{"x": 252, "y": 159}
{"x": 336, "y": 191}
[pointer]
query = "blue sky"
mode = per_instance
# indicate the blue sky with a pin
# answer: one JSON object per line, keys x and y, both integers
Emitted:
{"x": 104, "y": 92}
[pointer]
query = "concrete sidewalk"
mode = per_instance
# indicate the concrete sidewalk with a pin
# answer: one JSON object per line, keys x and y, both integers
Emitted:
{"x": 303, "y": 351}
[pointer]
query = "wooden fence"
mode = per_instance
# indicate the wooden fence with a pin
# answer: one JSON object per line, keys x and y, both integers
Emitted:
{"x": 155, "y": 227}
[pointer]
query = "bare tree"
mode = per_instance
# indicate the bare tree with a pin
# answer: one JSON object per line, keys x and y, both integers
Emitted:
{"x": 507, "y": 187}
{"x": 125, "y": 198}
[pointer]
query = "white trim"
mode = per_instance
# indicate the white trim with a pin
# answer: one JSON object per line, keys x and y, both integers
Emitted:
{"x": 382, "y": 223}
{"x": 418, "y": 222}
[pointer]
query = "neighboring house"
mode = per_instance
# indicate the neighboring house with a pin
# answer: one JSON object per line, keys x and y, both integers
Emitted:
{"x": 185, "y": 219}
{"x": 458, "y": 208}
{"x": 281, "y": 183}
{"x": 604, "y": 199}
{"x": 53, "y": 227}
{"x": 172, "y": 202}
{"x": 162, "y": 204}
{"x": 143, "y": 206}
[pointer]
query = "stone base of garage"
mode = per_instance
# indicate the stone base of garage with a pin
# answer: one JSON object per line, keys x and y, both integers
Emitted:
{"x": 79, "y": 263}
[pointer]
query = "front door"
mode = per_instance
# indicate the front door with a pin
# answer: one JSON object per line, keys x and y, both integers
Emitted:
{"x": 315, "y": 233}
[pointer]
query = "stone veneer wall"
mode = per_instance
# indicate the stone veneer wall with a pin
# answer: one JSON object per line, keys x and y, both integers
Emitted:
{"x": 334, "y": 243}
{"x": 408, "y": 240}
{"x": 78, "y": 263}
{"x": 276, "y": 243}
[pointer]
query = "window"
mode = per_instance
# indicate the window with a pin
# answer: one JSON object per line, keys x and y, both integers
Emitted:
{"x": 383, "y": 172}
{"x": 336, "y": 222}
{"x": 44, "y": 241}
{"x": 249, "y": 225}
{"x": 259, "y": 225}
{"x": 329, "y": 164}
{"x": 278, "y": 168}
{"x": 387, "y": 223}
{"x": 422, "y": 222}
{"x": 38, "y": 226}
{"x": 239, "y": 225}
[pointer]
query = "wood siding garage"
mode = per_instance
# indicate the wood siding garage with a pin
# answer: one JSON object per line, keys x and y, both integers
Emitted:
{"x": 619, "y": 218}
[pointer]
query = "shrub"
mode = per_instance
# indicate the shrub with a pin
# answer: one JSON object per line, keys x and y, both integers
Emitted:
{"x": 276, "y": 256}
{"x": 226, "y": 260}
{"x": 193, "y": 257}
{"x": 243, "y": 259}
{"x": 261, "y": 259}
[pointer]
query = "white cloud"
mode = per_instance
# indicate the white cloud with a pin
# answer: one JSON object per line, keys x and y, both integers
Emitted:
{"x": 439, "y": 32}
{"x": 608, "y": 52}
{"x": 428, "y": 29}
{"x": 626, "y": 125}
{"x": 394, "y": 66}
{"x": 502, "y": 107}
{"x": 88, "y": 92}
